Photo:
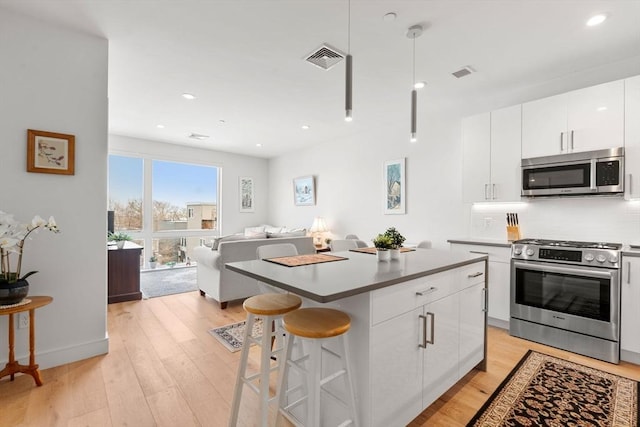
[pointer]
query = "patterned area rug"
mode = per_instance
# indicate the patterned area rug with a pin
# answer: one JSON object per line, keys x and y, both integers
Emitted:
{"x": 232, "y": 336}
{"x": 546, "y": 391}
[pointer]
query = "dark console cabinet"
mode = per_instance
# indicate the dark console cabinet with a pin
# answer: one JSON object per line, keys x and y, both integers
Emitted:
{"x": 124, "y": 273}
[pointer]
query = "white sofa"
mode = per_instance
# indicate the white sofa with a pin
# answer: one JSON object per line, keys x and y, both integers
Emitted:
{"x": 224, "y": 285}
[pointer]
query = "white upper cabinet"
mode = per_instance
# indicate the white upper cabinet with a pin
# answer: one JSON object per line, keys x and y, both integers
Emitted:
{"x": 491, "y": 156}
{"x": 581, "y": 120}
{"x": 632, "y": 137}
{"x": 506, "y": 134}
{"x": 476, "y": 160}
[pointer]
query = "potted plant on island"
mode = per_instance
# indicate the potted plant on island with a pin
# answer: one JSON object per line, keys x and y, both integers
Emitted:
{"x": 119, "y": 237}
{"x": 397, "y": 240}
{"x": 153, "y": 261}
{"x": 382, "y": 243}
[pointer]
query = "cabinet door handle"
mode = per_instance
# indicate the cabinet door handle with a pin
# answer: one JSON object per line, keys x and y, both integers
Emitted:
{"x": 486, "y": 191}
{"x": 433, "y": 329}
{"x": 424, "y": 331}
{"x": 485, "y": 307}
{"x": 479, "y": 273}
{"x": 493, "y": 191}
{"x": 561, "y": 141}
{"x": 628, "y": 272}
{"x": 426, "y": 291}
{"x": 478, "y": 252}
{"x": 571, "y": 140}
{"x": 630, "y": 189}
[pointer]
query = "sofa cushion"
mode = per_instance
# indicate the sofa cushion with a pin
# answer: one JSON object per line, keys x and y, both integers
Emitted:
{"x": 288, "y": 234}
{"x": 255, "y": 232}
{"x": 228, "y": 238}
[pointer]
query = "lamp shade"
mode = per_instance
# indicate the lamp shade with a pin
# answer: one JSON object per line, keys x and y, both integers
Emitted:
{"x": 318, "y": 226}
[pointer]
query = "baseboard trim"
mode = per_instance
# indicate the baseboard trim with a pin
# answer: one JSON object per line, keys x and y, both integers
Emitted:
{"x": 503, "y": 324}
{"x": 57, "y": 357}
{"x": 630, "y": 356}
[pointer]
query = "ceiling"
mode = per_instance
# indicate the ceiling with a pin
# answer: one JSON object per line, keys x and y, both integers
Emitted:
{"x": 244, "y": 61}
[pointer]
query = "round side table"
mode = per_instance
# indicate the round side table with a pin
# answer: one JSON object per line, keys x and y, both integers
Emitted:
{"x": 12, "y": 367}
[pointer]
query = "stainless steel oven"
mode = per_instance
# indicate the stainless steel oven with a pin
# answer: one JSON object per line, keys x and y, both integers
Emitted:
{"x": 567, "y": 294}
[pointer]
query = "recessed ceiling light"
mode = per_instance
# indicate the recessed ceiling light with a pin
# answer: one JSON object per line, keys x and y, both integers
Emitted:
{"x": 419, "y": 85}
{"x": 198, "y": 136}
{"x": 188, "y": 96}
{"x": 596, "y": 20}
{"x": 160, "y": 126}
{"x": 258, "y": 145}
{"x": 222, "y": 122}
{"x": 306, "y": 127}
{"x": 602, "y": 108}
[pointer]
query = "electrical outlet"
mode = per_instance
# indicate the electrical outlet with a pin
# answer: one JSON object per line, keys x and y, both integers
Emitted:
{"x": 23, "y": 320}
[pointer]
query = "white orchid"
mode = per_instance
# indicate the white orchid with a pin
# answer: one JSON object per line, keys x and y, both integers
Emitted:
{"x": 12, "y": 237}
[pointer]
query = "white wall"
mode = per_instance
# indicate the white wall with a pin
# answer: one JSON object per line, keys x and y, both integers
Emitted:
{"x": 232, "y": 167}
{"x": 55, "y": 80}
{"x": 350, "y": 188}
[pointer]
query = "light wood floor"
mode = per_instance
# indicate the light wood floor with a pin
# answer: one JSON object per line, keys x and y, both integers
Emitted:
{"x": 165, "y": 369}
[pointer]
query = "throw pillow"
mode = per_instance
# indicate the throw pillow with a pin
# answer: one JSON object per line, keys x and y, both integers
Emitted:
{"x": 255, "y": 232}
{"x": 229, "y": 237}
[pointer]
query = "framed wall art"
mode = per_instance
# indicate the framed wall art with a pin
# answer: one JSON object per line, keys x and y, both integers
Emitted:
{"x": 246, "y": 194}
{"x": 49, "y": 152}
{"x": 304, "y": 191}
{"x": 394, "y": 187}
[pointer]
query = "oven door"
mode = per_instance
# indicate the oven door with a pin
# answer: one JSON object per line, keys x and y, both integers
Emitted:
{"x": 580, "y": 299}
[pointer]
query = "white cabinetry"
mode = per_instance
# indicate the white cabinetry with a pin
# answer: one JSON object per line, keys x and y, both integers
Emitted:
{"x": 426, "y": 334}
{"x": 630, "y": 310}
{"x": 491, "y": 156}
{"x": 582, "y": 120}
{"x": 498, "y": 282}
{"x": 632, "y": 137}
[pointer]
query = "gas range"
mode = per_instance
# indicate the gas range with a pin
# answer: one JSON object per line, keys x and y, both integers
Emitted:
{"x": 596, "y": 254}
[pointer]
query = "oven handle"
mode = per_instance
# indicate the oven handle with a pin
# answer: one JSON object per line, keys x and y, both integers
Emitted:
{"x": 604, "y": 273}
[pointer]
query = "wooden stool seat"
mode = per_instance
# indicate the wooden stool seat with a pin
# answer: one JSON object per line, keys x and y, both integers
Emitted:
{"x": 317, "y": 322}
{"x": 272, "y": 304}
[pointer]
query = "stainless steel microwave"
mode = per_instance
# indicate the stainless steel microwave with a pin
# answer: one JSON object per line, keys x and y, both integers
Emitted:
{"x": 591, "y": 172}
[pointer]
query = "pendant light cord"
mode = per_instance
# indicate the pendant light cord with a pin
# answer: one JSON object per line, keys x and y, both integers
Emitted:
{"x": 349, "y": 28}
{"x": 414, "y": 60}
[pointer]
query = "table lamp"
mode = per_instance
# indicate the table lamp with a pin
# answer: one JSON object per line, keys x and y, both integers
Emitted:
{"x": 317, "y": 229}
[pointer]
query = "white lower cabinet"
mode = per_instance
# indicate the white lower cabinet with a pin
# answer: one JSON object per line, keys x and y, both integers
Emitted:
{"x": 630, "y": 310}
{"x": 419, "y": 354}
{"x": 499, "y": 280}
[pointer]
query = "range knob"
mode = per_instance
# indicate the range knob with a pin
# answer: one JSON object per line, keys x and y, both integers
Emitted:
{"x": 517, "y": 250}
{"x": 613, "y": 259}
{"x": 589, "y": 257}
{"x": 530, "y": 252}
{"x": 601, "y": 258}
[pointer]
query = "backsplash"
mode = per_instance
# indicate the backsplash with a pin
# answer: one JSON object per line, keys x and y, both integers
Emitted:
{"x": 601, "y": 219}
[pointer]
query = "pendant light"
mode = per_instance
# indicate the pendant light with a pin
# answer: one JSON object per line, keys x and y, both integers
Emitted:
{"x": 348, "y": 99}
{"x": 414, "y": 32}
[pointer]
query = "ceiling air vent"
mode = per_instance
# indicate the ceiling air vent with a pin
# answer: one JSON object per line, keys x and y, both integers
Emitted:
{"x": 463, "y": 72}
{"x": 325, "y": 57}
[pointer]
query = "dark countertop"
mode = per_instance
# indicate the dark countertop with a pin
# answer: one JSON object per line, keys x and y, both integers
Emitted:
{"x": 331, "y": 281}
{"x": 484, "y": 242}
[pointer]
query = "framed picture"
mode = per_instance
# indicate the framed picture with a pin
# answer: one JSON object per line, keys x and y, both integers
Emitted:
{"x": 304, "y": 191}
{"x": 394, "y": 187}
{"x": 49, "y": 152}
{"x": 246, "y": 194}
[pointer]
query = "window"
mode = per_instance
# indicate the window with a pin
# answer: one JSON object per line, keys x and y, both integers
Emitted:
{"x": 169, "y": 206}
{"x": 125, "y": 193}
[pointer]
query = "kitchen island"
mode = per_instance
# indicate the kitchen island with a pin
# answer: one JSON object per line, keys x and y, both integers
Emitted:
{"x": 418, "y": 323}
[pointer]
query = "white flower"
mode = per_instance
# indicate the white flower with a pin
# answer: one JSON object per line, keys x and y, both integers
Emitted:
{"x": 8, "y": 243}
{"x": 37, "y": 221}
{"x": 51, "y": 225}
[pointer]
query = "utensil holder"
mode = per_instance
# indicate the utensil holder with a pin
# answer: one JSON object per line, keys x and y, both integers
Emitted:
{"x": 513, "y": 232}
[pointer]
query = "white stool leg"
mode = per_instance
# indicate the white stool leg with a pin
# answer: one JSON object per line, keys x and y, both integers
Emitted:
{"x": 315, "y": 377}
{"x": 242, "y": 368}
{"x": 265, "y": 368}
{"x": 282, "y": 375}
{"x": 346, "y": 365}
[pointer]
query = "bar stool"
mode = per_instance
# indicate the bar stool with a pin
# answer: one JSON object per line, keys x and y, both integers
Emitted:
{"x": 270, "y": 308}
{"x": 317, "y": 325}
